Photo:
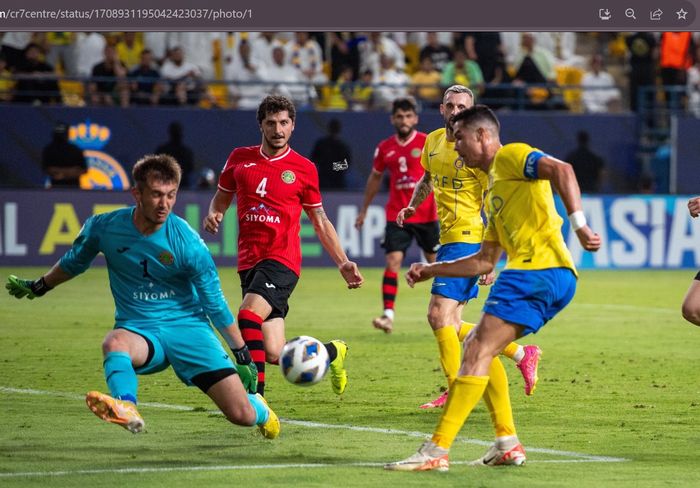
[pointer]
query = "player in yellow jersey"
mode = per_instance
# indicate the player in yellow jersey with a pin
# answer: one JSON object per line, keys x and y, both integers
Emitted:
{"x": 459, "y": 192}
{"x": 538, "y": 281}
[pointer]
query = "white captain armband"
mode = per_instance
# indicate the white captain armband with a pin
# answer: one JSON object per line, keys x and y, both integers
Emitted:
{"x": 577, "y": 220}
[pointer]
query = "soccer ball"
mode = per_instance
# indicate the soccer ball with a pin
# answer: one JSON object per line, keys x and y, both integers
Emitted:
{"x": 304, "y": 361}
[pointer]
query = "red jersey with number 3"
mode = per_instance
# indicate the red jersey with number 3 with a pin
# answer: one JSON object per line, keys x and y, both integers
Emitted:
{"x": 270, "y": 194}
{"x": 402, "y": 160}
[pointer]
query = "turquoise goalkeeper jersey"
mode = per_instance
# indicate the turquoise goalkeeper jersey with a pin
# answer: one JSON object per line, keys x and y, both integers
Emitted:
{"x": 166, "y": 277}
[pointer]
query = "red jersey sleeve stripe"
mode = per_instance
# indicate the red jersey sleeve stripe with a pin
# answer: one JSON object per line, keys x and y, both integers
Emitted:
{"x": 224, "y": 189}
{"x": 319, "y": 204}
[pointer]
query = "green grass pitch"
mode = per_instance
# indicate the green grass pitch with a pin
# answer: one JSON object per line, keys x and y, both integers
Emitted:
{"x": 618, "y": 403}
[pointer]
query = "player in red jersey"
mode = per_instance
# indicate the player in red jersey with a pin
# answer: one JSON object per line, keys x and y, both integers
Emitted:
{"x": 272, "y": 184}
{"x": 400, "y": 155}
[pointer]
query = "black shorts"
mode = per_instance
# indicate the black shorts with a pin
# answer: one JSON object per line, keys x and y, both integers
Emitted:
{"x": 697, "y": 276}
{"x": 273, "y": 281}
{"x": 399, "y": 238}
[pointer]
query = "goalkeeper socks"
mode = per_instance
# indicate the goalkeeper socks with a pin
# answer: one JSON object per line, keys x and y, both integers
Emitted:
{"x": 465, "y": 393}
{"x": 262, "y": 413}
{"x": 450, "y": 351}
{"x": 390, "y": 287}
{"x": 120, "y": 376}
{"x": 251, "y": 329}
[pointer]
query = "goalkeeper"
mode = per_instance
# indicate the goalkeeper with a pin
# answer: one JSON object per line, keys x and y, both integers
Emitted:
{"x": 166, "y": 291}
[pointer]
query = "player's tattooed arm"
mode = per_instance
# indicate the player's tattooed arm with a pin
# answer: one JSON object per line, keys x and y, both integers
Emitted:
{"x": 422, "y": 190}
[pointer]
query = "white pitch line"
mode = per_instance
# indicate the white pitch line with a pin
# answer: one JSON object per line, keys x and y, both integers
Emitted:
{"x": 577, "y": 457}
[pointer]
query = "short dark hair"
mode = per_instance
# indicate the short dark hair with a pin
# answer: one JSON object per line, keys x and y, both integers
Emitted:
{"x": 407, "y": 104}
{"x": 159, "y": 166}
{"x": 477, "y": 113}
{"x": 273, "y": 104}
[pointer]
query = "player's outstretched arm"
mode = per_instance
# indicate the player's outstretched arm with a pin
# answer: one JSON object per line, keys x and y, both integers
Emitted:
{"x": 480, "y": 263}
{"x": 245, "y": 366}
{"x": 20, "y": 288}
{"x": 563, "y": 178}
{"x": 420, "y": 193}
{"x": 217, "y": 208}
{"x": 374, "y": 182}
{"x": 694, "y": 206}
{"x": 329, "y": 240}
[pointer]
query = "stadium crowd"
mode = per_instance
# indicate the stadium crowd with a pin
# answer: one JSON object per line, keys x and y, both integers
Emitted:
{"x": 347, "y": 70}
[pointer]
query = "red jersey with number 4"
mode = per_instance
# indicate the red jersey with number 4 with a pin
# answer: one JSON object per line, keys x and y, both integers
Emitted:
{"x": 270, "y": 193}
{"x": 402, "y": 160}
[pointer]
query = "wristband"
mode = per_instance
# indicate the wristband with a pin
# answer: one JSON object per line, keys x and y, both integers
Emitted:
{"x": 39, "y": 287}
{"x": 242, "y": 355}
{"x": 577, "y": 220}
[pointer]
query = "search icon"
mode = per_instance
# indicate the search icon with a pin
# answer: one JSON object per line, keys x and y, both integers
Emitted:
{"x": 629, "y": 13}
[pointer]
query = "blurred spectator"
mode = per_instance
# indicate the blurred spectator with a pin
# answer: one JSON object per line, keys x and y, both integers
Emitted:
{"x": 439, "y": 54}
{"x": 642, "y": 62}
{"x": 332, "y": 157}
{"x": 363, "y": 92}
{"x": 420, "y": 39}
{"x": 62, "y": 160}
{"x": 129, "y": 50}
{"x": 377, "y": 45}
{"x": 261, "y": 49}
{"x": 563, "y": 46}
{"x": 176, "y": 148}
{"x": 588, "y": 166}
{"x": 157, "y": 42}
{"x": 462, "y": 71}
{"x": 340, "y": 92}
{"x": 6, "y": 82}
{"x": 36, "y": 80}
{"x": 676, "y": 51}
{"x": 304, "y": 53}
{"x": 144, "y": 81}
{"x": 198, "y": 48}
{"x": 344, "y": 52}
{"x": 486, "y": 49}
{"x": 285, "y": 79}
{"x": 599, "y": 91}
{"x": 109, "y": 81}
{"x": 534, "y": 65}
{"x": 184, "y": 79}
{"x": 89, "y": 50}
{"x": 425, "y": 83}
{"x": 390, "y": 82}
{"x": 693, "y": 85}
{"x": 12, "y": 47}
{"x": 60, "y": 51}
{"x": 247, "y": 89}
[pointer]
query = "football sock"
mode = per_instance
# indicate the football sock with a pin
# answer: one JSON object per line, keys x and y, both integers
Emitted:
{"x": 390, "y": 285}
{"x": 464, "y": 328}
{"x": 497, "y": 399}
{"x": 120, "y": 375}
{"x": 251, "y": 329}
{"x": 332, "y": 351}
{"x": 513, "y": 350}
{"x": 262, "y": 412}
{"x": 465, "y": 392}
{"x": 450, "y": 351}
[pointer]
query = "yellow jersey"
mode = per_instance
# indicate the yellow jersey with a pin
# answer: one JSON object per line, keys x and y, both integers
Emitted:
{"x": 458, "y": 189}
{"x": 521, "y": 213}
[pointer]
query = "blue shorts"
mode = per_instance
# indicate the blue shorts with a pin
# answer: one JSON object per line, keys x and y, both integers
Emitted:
{"x": 460, "y": 289}
{"x": 530, "y": 297}
{"x": 191, "y": 347}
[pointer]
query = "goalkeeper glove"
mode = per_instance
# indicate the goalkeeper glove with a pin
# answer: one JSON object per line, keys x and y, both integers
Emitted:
{"x": 20, "y": 288}
{"x": 247, "y": 370}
